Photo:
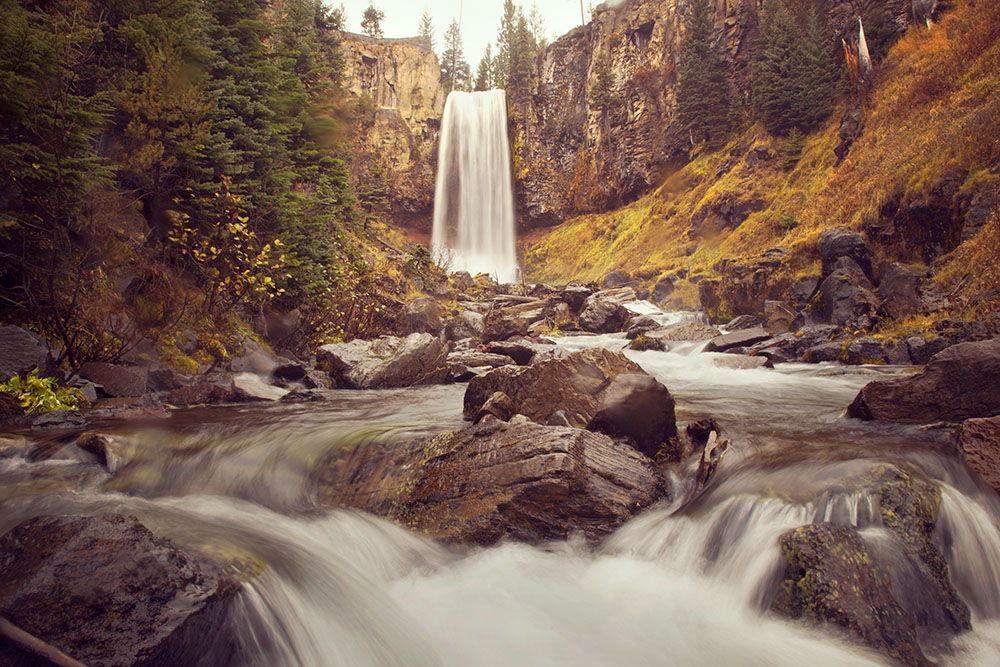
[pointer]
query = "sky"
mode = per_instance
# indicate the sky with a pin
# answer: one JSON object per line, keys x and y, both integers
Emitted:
{"x": 480, "y": 19}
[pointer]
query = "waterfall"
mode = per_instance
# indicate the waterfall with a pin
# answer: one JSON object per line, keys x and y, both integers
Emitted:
{"x": 473, "y": 196}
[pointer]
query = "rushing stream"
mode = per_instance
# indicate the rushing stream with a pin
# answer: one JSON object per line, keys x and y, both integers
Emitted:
{"x": 669, "y": 587}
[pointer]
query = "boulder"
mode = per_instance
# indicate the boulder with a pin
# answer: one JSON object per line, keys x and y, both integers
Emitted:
{"x": 498, "y": 405}
{"x": 899, "y": 291}
{"x": 644, "y": 343}
{"x": 743, "y": 363}
{"x": 574, "y": 384}
{"x": 386, "y": 362}
{"x": 111, "y": 451}
{"x": 662, "y": 291}
{"x": 291, "y": 371}
{"x": 839, "y": 242}
{"x": 500, "y": 325}
{"x": 419, "y": 315}
{"x": 689, "y": 331}
{"x": 743, "y": 322}
{"x": 639, "y": 325}
{"x": 520, "y": 351}
{"x": 959, "y": 383}
{"x": 249, "y": 387}
{"x": 493, "y": 480}
{"x": 923, "y": 348}
{"x": 779, "y": 316}
{"x": 166, "y": 379}
{"x": 116, "y": 381}
{"x": 462, "y": 281}
{"x": 467, "y": 324}
{"x": 979, "y": 442}
{"x": 638, "y": 407}
{"x": 199, "y": 393}
{"x": 575, "y": 296}
{"x": 255, "y": 359}
{"x": 846, "y": 298}
{"x": 601, "y": 314}
{"x": 105, "y": 591}
{"x": 739, "y": 338}
{"x": 781, "y": 349}
{"x": 824, "y": 352}
{"x": 616, "y": 279}
{"x": 58, "y": 419}
{"x": 827, "y": 577}
{"x": 21, "y": 351}
{"x": 867, "y": 350}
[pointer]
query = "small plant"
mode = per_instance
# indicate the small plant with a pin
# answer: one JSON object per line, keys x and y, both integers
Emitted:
{"x": 38, "y": 394}
{"x": 787, "y": 222}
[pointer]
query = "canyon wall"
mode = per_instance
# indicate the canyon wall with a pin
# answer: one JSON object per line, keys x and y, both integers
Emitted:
{"x": 396, "y": 83}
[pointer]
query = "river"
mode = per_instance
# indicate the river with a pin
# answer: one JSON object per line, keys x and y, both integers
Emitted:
{"x": 681, "y": 586}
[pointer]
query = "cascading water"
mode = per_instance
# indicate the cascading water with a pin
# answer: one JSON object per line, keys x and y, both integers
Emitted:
{"x": 685, "y": 586}
{"x": 473, "y": 195}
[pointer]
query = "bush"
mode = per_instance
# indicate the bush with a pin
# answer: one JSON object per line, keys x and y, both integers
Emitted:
{"x": 38, "y": 394}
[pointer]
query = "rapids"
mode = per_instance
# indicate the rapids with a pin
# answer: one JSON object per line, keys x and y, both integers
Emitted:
{"x": 676, "y": 585}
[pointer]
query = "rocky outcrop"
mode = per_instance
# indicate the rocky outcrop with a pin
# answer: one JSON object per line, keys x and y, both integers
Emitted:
{"x": 601, "y": 314}
{"x": 525, "y": 482}
{"x": 386, "y": 362}
{"x": 959, "y": 383}
{"x": 21, "y": 351}
{"x": 396, "y": 83}
{"x": 105, "y": 591}
{"x": 571, "y": 158}
{"x": 574, "y": 384}
{"x": 979, "y": 442}
{"x": 116, "y": 381}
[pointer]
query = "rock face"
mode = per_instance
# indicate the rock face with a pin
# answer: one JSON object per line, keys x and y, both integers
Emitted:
{"x": 847, "y": 298}
{"x": 21, "y": 351}
{"x": 828, "y": 578}
{"x": 961, "y": 382}
{"x": 574, "y": 384}
{"x": 979, "y": 440}
{"x": 399, "y": 81}
{"x": 420, "y": 358}
{"x": 117, "y": 381}
{"x": 493, "y": 480}
{"x": 105, "y": 591}
{"x": 560, "y": 138}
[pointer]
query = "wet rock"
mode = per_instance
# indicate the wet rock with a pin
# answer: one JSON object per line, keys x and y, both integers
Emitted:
{"x": 385, "y": 362}
{"x": 521, "y": 352}
{"x": 117, "y": 381}
{"x": 896, "y": 352}
{"x": 899, "y": 291}
{"x": 111, "y": 452}
{"x": 699, "y": 431}
{"x": 740, "y": 338}
{"x": 846, "y": 298}
{"x": 662, "y": 291}
{"x": 638, "y": 407}
{"x": 249, "y": 387}
{"x": 557, "y": 418}
{"x": 743, "y": 322}
{"x": 743, "y": 362}
{"x": 303, "y": 396}
{"x": 639, "y": 325}
{"x": 839, "y": 242}
{"x": 165, "y": 379}
{"x": 200, "y": 393}
{"x": 923, "y": 348}
{"x": 644, "y": 343}
{"x": 500, "y": 325}
{"x": 866, "y": 350}
{"x": 291, "y": 371}
{"x": 467, "y": 324}
{"x": 601, "y": 314}
{"x": 689, "y": 331}
{"x": 779, "y": 316}
{"x": 419, "y": 315}
{"x": 959, "y": 383}
{"x": 979, "y": 442}
{"x": 824, "y": 352}
{"x": 803, "y": 290}
{"x": 525, "y": 482}
{"x": 463, "y": 366}
{"x": 105, "y": 591}
{"x": 255, "y": 359}
{"x": 828, "y": 577}
{"x": 616, "y": 279}
{"x": 498, "y": 405}
{"x": 58, "y": 419}
{"x": 778, "y": 350}
{"x": 21, "y": 351}
{"x": 575, "y": 296}
{"x": 573, "y": 384}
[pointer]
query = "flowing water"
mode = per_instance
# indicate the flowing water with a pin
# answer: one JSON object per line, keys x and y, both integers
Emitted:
{"x": 676, "y": 585}
{"x": 473, "y": 196}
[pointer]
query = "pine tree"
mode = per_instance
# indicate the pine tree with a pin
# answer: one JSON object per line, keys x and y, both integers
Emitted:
{"x": 484, "y": 73}
{"x": 522, "y": 53}
{"x": 704, "y": 101}
{"x": 602, "y": 94}
{"x": 506, "y": 38}
{"x": 371, "y": 21}
{"x": 537, "y": 24}
{"x": 426, "y": 29}
{"x": 794, "y": 72}
{"x": 455, "y": 73}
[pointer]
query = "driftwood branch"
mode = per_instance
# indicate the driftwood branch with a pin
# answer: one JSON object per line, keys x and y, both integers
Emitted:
{"x": 40, "y": 650}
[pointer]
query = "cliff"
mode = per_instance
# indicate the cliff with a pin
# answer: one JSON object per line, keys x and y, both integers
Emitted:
{"x": 572, "y": 159}
{"x": 395, "y": 83}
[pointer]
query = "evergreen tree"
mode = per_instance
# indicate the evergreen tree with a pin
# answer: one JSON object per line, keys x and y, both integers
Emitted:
{"x": 455, "y": 74}
{"x": 522, "y": 53}
{"x": 794, "y": 72}
{"x": 484, "y": 73}
{"x": 537, "y": 24}
{"x": 506, "y": 38}
{"x": 426, "y": 29}
{"x": 602, "y": 93}
{"x": 371, "y": 21}
{"x": 704, "y": 102}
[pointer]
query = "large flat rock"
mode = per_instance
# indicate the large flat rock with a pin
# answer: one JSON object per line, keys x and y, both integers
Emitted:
{"x": 386, "y": 362}
{"x": 493, "y": 480}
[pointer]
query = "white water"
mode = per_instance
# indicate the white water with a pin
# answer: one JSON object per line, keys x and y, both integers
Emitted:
{"x": 473, "y": 196}
{"x": 687, "y": 587}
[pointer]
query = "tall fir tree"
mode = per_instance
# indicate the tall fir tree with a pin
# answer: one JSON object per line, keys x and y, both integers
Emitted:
{"x": 484, "y": 73}
{"x": 704, "y": 98}
{"x": 506, "y": 38}
{"x": 455, "y": 74}
{"x": 426, "y": 29}
{"x": 371, "y": 21}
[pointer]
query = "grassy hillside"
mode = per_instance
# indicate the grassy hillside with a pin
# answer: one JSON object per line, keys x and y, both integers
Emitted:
{"x": 932, "y": 115}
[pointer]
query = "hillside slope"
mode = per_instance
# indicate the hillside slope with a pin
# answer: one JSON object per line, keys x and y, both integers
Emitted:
{"x": 920, "y": 183}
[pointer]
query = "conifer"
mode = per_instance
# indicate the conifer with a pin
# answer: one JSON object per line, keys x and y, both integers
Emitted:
{"x": 704, "y": 100}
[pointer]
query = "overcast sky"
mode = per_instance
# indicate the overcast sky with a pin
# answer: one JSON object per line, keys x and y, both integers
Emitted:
{"x": 480, "y": 19}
